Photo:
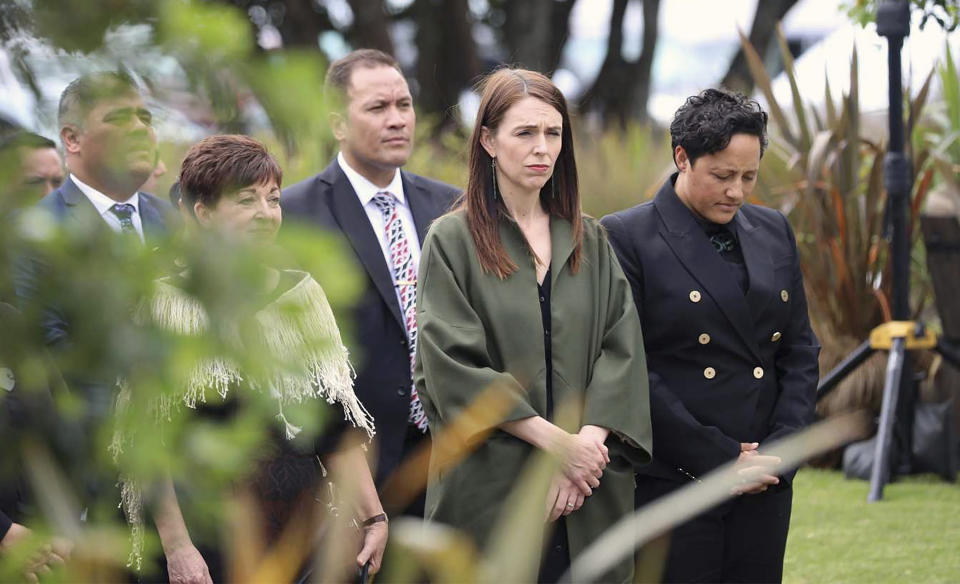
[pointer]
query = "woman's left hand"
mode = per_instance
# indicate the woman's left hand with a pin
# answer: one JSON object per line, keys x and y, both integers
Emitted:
{"x": 374, "y": 542}
{"x": 563, "y": 498}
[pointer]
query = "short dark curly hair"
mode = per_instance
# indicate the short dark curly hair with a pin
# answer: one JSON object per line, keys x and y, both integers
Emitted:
{"x": 706, "y": 122}
{"x": 218, "y": 164}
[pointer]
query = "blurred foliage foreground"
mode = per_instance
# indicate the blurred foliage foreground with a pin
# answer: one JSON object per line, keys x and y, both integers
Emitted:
{"x": 822, "y": 170}
{"x": 59, "y": 418}
{"x": 98, "y": 280}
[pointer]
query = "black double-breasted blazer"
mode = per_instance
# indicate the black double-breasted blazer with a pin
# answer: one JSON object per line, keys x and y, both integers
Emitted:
{"x": 379, "y": 352}
{"x": 725, "y": 366}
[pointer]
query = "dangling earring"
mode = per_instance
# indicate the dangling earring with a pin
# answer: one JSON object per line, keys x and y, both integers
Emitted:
{"x": 493, "y": 175}
{"x": 553, "y": 187}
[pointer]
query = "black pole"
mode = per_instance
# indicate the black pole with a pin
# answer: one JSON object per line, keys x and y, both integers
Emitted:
{"x": 893, "y": 22}
{"x": 840, "y": 372}
{"x": 896, "y": 171}
{"x": 950, "y": 352}
{"x": 880, "y": 473}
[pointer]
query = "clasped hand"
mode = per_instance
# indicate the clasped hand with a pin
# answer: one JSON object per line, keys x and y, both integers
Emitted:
{"x": 755, "y": 470}
{"x": 51, "y": 554}
{"x": 584, "y": 457}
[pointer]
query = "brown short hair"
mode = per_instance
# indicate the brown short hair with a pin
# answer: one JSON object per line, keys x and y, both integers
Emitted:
{"x": 219, "y": 164}
{"x": 560, "y": 196}
{"x": 338, "y": 75}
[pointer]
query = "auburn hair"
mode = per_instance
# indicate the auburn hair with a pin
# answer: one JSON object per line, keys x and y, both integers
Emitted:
{"x": 560, "y": 195}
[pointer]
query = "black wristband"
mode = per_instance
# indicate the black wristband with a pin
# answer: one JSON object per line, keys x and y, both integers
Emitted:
{"x": 375, "y": 519}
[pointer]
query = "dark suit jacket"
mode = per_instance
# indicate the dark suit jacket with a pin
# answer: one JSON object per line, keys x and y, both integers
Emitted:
{"x": 33, "y": 278}
{"x": 380, "y": 356}
{"x": 72, "y": 209}
{"x": 27, "y": 413}
{"x": 759, "y": 346}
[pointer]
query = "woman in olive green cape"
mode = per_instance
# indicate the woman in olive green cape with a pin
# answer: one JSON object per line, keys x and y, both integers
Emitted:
{"x": 477, "y": 329}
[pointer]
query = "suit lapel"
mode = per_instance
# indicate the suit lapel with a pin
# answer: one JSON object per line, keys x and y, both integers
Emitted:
{"x": 420, "y": 207}
{"x": 686, "y": 238}
{"x": 353, "y": 221}
{"x": 78, "y": 209}
{"x": 759, "y": 265}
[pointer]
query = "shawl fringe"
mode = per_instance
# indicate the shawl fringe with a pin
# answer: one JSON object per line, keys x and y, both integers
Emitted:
{"x": 299, "y": 333}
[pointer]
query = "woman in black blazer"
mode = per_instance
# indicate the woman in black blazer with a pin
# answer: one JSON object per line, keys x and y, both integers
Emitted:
{"x": 730, "y": 353}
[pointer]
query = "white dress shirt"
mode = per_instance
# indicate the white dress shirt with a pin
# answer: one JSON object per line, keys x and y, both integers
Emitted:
{"x": 103, "y": 203}
{"x": 366, "y": 190}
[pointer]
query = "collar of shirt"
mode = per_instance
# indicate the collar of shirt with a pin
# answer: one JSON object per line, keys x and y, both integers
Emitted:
{"x": 101, "y": 201}
{"x": 365, "y": 189}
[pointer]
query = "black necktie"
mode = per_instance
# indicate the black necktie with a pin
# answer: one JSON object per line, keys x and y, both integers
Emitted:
{"x": 124, "y": 213}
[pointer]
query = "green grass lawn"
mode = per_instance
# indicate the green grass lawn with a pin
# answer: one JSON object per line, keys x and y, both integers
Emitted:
{"x": 913, "y": 535}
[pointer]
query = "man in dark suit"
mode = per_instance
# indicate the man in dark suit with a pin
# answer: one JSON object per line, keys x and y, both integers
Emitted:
{"x": 111, "y": 149}
{"x": 731, "y": 356}
{"x": 384, "y": 213}
{"x": 68, "y": 289}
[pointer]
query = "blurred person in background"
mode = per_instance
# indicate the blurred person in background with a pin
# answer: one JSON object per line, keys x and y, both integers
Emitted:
{"x": 384, "y": 213}
{"x": 30, "y": 169}
{"x": 731, "y": 355}
{"x": 230, "y": 186}
{"x": 77, "y": 279}
{"x": 518, "y": 288}
{"x": 111, "y": 150}
{"x": 159, "y": 170}
{"x": 26, "y": 416}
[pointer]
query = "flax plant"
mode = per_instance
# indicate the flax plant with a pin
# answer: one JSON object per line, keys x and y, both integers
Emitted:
{"x": 832, "y": 191}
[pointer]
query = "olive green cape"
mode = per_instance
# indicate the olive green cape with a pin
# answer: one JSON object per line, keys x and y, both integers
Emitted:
{"x": 476, "y": 330}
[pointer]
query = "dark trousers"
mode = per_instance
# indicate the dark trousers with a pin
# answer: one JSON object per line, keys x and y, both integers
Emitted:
{"x": 741, "y": 540}
{"x": 555, "y": 560}
{"x": 414, "y": 440}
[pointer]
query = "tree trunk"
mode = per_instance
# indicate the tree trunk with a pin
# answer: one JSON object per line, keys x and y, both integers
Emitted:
{"x": 559, "y": 32}
{"x": 301, "y": 24}
{"x": 370, "y": 28}
{"x": 762, "y": 31}
{"x": 535, "y": 32}
{"x": 447, "y": 60}
{"x": 622, "y": 88}
{"x": 644, "y": 68}
{"x": 527, "y": 33}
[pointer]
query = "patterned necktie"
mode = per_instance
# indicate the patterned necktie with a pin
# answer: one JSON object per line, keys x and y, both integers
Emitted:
{"x": 404, "y": 273}
{"x": 124, "y": 213}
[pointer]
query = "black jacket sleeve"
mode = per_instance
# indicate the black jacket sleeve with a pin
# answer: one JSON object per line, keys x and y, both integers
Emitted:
{"x": 5, "y": 524}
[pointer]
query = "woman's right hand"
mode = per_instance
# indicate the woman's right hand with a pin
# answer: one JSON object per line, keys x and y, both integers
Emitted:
{"x": 185, "y": 565}
{"x": 755, "y": 470}
{"x": 584, "y": 459}
{"x": 562, "y": 498}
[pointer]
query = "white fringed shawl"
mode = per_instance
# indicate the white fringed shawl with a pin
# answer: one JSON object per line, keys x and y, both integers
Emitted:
{"x": 298, "y": 329}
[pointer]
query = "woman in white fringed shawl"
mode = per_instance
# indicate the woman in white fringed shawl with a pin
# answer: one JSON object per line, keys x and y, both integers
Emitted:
{"x": 230, "y": 185}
